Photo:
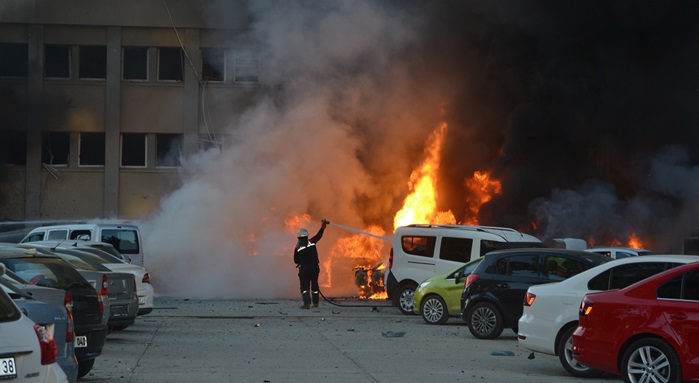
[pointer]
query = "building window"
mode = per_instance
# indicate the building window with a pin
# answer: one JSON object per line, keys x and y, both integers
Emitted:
{"x": 246, "y": 66}
{"x": 91, "y": 149}
{"x": 13, "y": 59}
{"x": 170, "y": 64}
{"x": 55, "y": 148}
{"x": 133, "y": 149}
{"x": 213, "y": 64}
{"x": 93, "y": 61}
{"x": 57, "y": 61}
{"x": 169, "y": 150}
{"x": 135, "y": 63}
{"x": 13, "y": 147}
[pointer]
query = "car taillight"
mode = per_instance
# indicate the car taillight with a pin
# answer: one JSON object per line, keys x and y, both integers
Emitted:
{"x": 49, "y": 351}
{"x": 585, "y": 308}
{"x": 529, "y": 299}
{"x": 146, "y": 278}
{"x": 472, "y": 277}
{"x": 105, "y": 284}
{"x": 390, "y": 260}
{"x": 70, "y": 328}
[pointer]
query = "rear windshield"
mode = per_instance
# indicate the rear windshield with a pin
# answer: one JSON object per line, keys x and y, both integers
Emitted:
{"x": 47, "y": 272}
{"x": 124, "y": 240}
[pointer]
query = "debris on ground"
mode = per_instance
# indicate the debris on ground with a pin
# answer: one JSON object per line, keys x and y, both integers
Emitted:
{"x": 502, "y": 353}
{"x": 393, "y": 334}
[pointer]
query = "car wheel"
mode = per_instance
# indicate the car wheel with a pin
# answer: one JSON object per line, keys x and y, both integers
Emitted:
{"x": 651, "y": 360}
{"x": 434, "y": 310}
{"x": 565, "y": 355}
{"x": 406, "y": 298}
{"x": 84, "y": 367}
{"x": 485, "y": 321}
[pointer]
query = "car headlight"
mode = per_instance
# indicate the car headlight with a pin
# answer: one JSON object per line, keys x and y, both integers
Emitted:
{"x": 423, "y": 284}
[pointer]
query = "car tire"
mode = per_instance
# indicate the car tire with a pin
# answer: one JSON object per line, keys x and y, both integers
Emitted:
{"x": 564, "y": 349}
{"x": 642, "y": 358}
{"x": 405, "y": 298}
{"x": 434, "y": 309}
{"x": 84, "y": 367}
{"x": 485, "y": 321}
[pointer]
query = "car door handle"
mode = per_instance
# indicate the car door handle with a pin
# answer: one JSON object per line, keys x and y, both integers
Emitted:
{"x": 679, "y": 316}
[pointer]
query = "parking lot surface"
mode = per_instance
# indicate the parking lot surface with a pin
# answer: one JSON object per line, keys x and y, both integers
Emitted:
{"x": 189, "y": 340}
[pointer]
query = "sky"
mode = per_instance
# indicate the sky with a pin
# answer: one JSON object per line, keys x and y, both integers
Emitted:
{"x": 583, "y": 110}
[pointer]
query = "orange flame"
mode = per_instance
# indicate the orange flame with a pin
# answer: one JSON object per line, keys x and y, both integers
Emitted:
{"x": 483, "y": 188}
{"x": 421, "y": 204}
{"x": 635, "y": 241}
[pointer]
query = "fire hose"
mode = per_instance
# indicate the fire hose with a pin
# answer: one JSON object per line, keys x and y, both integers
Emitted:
{"x": 339, "y": 305}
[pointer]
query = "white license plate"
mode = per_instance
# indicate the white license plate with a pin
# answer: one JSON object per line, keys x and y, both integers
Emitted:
{"x": 141, "y": 300}
{"x": 8, "y": 369}
{"x": 81, "y": 341}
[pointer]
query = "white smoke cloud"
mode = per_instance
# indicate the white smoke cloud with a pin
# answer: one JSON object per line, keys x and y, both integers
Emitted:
{"x": 312, "y": 149}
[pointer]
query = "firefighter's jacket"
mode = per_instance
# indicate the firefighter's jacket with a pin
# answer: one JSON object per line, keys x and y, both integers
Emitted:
{"x": 305, "y": 253}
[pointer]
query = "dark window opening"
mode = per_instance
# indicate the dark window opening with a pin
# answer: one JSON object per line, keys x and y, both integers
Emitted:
{"x": 170, "y": 64}
{"x": 419, "y": 245}
{"x": 246, "y": 66}
{"x": 14, "y": 59}
{"x": 169, "y": 150}
{"x": 456, "y": 249}
{"x": 13, "y": 148}
{"x": 91, "y": 149}
{"x": 135, "y": 65}
{"x": 93, "y": 61}
{"x": 213, "y": 65}
{"x": 133, "y": 149}
{"x": 57, "y": 61}
{"x": 55, "y": 148}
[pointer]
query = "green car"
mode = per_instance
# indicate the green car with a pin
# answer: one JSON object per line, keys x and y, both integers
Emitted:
{"x": 439, "y": 297}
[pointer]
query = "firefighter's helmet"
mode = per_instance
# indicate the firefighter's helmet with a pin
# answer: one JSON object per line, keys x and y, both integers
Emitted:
{"x": 303, "y": 233}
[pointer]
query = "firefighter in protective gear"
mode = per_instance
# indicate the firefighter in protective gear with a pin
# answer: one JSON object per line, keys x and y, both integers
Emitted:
{"x": 306, "y": 260}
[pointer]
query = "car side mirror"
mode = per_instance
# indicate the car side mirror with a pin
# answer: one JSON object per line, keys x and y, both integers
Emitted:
{"x": 457, "y": 278}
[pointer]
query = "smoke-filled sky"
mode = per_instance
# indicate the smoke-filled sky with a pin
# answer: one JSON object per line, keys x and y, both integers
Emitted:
{"x": 585, "y": 111}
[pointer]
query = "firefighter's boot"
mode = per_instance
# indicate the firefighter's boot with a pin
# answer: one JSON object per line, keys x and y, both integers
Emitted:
{"x": 315, "y": 299}
{"x": 306, "y": 301}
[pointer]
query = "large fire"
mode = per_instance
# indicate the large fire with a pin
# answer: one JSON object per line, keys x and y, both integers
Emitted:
{"x": 482, "y": 188}
{"x": 420, "y": 206}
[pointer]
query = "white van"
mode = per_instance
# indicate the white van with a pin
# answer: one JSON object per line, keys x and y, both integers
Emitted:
{"x": 423, "y": 251}
{"x": 126, "y": 238}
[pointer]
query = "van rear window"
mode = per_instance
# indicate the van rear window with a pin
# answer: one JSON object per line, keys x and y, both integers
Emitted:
{"x": 124, "y": 240}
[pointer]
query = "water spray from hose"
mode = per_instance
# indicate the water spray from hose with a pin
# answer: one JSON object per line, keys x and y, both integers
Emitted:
{"x": 386, "y": 238}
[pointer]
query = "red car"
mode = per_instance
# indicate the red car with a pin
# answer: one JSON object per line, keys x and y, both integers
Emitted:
{"x": 646, "y": 332}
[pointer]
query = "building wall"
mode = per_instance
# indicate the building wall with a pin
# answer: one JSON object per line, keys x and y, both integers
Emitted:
{"x": 113, "y": 106}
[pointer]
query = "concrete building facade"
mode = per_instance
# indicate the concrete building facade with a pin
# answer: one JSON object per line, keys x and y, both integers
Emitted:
{"x": 102, "y": 101}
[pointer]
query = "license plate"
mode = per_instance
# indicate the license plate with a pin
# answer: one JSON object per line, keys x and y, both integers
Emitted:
{"x": 118, "y": 311}
{"x": 8, "y": 369}
{"x": 81, "y": 341}
{"x": 141, "y": 300}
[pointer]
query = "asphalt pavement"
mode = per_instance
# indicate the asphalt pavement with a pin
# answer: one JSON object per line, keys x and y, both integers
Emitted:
{"x": 195, "y": 340}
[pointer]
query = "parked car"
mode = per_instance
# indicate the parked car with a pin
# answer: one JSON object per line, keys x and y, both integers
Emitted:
{"x": 646, "y": 332}
{"x": 438, "y": 298}
{"x": 28, "y": 353}
{"x": 88, "y": 307}
{"x": 550, "y": 313}
{"x": 54, "y": 317}
{"x": 493, "y": 293}
{"x": 616, "y": 252}
{"x": 119, "y": 288}
{"x": 126, "y": 238}
{"x": 423, "y": 251}
{"x": 144, "y": 289}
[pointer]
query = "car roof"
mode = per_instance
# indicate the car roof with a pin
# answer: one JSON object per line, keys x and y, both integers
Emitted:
{"x": 541, "y": 250}
{"x": 505, "y": 233}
